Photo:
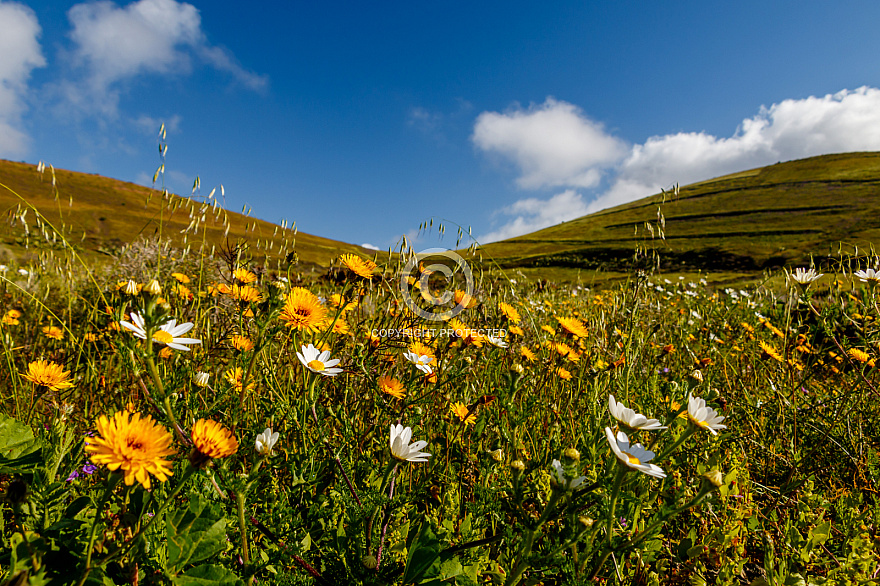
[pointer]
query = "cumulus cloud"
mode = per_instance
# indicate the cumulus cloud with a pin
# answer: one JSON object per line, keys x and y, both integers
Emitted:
{"x": 369, "y": 246}
{"x": 534, "y": 213}
{"x": 112, "y": 44}
{"x": 21, "y": 54}
{"x": 847, "y": 121}
{"x": 553, "y": 144}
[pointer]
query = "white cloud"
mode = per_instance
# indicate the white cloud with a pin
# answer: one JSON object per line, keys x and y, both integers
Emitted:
{"x": 369, "y": 246}
{"x": 21, "y": 53}
{"x": 423, "y": 119}
{"x": 847, "y": 121}
{"x": 113, "y": 44}
{"x": 553, "y": 144}
{"x": 533, "y": 214}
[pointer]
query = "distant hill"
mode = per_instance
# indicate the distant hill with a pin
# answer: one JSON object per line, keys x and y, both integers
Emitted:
{"x": 100, "y": 215}
{"x": 745, "y": 222}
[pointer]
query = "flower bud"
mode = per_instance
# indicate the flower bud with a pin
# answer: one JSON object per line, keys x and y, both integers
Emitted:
{"x": 131, "y": 288}
{"x": 715, "y": 477}
{"x": 585, "y": 521}
{"x": 153, "y": 288}
{"x": 369, "y": 562}
{"x": 571, "y": 454}
{"x": 518, "y": 466}
{"x": 497, "y": 455}
{"x": 201, "y": 379}
{"x": 697, "y": 375}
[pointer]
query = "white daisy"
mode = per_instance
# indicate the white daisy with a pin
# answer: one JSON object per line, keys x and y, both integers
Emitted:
{"x": 266, "y": 441}
{"x": 630, "y": 418}
{"x": 200, "y": 379}
{"x": 421, "y": 361}
{"x": 402, "y": 449}
{"x": 499, "y": 342}
{"x": 168, "y": 334}
{"x": 805, "y": 276}
{"x": 558, "y": 474}
{"x": 318, "y": 361}
{"x": 702, "y": 416}
{"x": 868, "y": 276}
{"x": 635, "y": 456}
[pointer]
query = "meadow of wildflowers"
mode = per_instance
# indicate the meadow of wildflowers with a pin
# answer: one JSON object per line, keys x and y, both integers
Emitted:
{"x": 213, "y": 420}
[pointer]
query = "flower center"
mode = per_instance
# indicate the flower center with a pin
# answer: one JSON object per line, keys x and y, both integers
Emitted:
{"x": 163, "y": 337}
{"x": 632, "y": 459}
{"x": 316, "y": 365}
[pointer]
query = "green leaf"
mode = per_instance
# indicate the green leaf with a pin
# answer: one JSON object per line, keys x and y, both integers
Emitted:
{"x": 194, "y": 534}
{"x": 208, "y": 575}
{"x": 423, "y": 553}
{"x": 820, "y": 533}
{"x": 19, "y": 450}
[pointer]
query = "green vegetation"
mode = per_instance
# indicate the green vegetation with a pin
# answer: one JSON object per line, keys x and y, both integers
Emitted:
{"x": 190, "y": 418}
{"x": 99, "y": 216}
{"x": 743, "y": 223}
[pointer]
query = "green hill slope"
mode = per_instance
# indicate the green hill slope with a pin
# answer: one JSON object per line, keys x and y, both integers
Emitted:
{"x": 100, "y": 215}
{"x": 745, "y": 222}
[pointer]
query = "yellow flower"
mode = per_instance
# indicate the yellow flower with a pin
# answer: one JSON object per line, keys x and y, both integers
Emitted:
{"x": 303, "y": 310}
{"x": 516, "y": 330}
{"x": 509, "y": 312}
{"x": 527, "y": 354}
{"x": 244, "y": 293}
{"x": 48, "y": 374}
{"x": 242, "y": 343}
{"x": 336, "y": 300}
{"x": 776, "y": 331}
{"x": 360, "y": 266}
{"x": 235, "y": 376}
{"x": 135, "y": 445}
{"x": 460, "y": 410}
{"x": 53, "y": 332}
{"x": 464, "y": 300}
{"x": 243, "y": 276}
{"x": 768, "y": 351}
{"x": 183, "y": 292}
{"x": 859, "y": 355}
{"x": 211, "y": 440}
{"x": 10, "y": 318}
{"x": 181, "y": 278}
{"x": 573, "y": 326}
{"x": 562, "y": 349}
{"x": 420, "y": 349}
{"x": 548, "y": 329}
{"x": 391, "y": 386}
{"x": 340, "y": 327}
{"x": 563, "y": 374}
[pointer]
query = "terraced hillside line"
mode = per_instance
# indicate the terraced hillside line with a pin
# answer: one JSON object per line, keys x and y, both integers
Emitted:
{"x": 782, "y": 214}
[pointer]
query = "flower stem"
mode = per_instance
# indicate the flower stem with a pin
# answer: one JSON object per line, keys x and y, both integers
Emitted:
{"x": 112, "y": 481}
{"x": 688, "y": 431}
{"x": 133, "y": 541}
{"x": 242, "y": 527}
{"x": 528, "y": 543}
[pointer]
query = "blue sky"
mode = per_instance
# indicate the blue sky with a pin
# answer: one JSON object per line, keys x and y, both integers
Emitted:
{"x": 361, "y": 120}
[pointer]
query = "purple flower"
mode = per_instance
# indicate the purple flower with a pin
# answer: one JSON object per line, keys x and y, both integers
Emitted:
{"x": 73, "y": 475}
{"x": 89, "y": 468}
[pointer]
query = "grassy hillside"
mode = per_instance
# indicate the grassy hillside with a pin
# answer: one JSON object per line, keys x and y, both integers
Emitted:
{"x": 100, "y": 215}
{"x": 740, "y": 223}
